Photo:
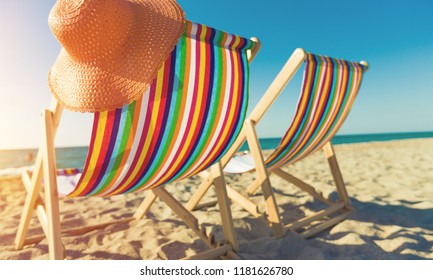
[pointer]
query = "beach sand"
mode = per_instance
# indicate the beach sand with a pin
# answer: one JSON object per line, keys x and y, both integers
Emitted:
{"x": 390, "y": 185}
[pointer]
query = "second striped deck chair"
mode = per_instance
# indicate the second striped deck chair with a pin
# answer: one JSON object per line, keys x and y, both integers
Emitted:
{"x": 184, "y": 123}
{"x": 327, "y": 94}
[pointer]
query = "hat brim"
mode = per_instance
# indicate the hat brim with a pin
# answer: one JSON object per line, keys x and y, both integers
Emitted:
{"x": 90, "y": 87}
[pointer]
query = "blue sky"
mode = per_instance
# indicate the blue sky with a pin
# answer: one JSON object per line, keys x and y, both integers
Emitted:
{"x": 395, "y": 37}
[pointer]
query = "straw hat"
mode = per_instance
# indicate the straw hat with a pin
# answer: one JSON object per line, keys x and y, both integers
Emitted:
{"x": 112, "y": 49}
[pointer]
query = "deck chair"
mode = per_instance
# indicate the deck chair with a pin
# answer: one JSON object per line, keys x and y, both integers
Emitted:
{"x": 184, "y": 123}
{"x": 327, "y": 94}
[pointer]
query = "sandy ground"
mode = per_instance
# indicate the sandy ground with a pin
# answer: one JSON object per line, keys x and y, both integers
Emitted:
{"x": 390, "y": 185}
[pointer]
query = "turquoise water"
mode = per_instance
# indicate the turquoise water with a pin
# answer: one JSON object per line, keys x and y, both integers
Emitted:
{"x": 13, "y": 161}
{"x": 271, "y": 143}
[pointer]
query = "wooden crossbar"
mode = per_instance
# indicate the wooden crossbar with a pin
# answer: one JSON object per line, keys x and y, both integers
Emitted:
{"x": 319, "y": 215}
{"x": 86, "y": 229}
{"x": 252, "y": 208}
{"x": 301, "y": 184}
{"x": 234, "y": 195}
{"x": 205, "y": 205}
{"x": 325, "y": 225}
{"x": 211, "y": 254}
{"x": 178, "y": 209}
{"x": 79, "y": 230}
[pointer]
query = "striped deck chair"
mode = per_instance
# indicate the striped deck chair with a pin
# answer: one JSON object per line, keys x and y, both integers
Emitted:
{"x": 327, "y": 94}
{"x": 184, "y": 123}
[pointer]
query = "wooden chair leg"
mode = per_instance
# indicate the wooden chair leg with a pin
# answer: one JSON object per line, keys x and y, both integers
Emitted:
{"x": 41, "y": 212}
{"x": 177, "y": 208}
{"x": 55, "y": 245}
{"x": 145, "y": 205}
{"x": 224, "y": 205}
{"x": 263, "y": 175}
{"x": 252, "y": 189}
{"x": 199, "y": 193}
{"x": 30, "y": 203}
{"x": 336, "y": 174}
{"x": 36, "y": 183}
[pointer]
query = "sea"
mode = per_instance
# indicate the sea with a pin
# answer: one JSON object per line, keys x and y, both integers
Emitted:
{"x": 13, "y": 162}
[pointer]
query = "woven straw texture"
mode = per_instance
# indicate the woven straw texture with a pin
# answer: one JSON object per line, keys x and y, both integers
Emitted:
{"x": 112, "y": 49}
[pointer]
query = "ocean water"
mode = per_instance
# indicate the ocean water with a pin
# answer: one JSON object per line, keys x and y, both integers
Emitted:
{"x": 13, "y": 162}
{"x": 271, "y": 143}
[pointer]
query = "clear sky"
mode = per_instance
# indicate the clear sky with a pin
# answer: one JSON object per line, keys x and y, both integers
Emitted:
{"x": 395, "y": 37}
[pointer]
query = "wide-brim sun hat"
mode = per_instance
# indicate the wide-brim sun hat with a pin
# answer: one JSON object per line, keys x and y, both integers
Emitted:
{"x": 112, "y": 49}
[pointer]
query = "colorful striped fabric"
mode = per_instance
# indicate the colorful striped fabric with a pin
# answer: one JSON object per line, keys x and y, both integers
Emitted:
{"x": 183, "y": 124}
{"x": 328, "y": 91}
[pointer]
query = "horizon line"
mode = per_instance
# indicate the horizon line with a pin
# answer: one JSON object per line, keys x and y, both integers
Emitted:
{"x": 338, "y": 135}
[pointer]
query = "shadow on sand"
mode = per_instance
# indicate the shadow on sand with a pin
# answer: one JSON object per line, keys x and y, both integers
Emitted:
{"x": 408, "y": 230}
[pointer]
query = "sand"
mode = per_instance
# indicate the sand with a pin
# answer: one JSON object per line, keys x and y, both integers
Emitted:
{"x": 390, "y": 185}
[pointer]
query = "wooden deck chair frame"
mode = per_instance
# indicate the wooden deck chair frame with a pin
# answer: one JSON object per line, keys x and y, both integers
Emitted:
{"x": 263, "y": 180}
{"x": 48, "y": 212}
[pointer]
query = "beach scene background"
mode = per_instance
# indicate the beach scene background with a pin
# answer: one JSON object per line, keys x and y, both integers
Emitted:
{"x": 13, "y": 162}
{"x": 384, "y": 148}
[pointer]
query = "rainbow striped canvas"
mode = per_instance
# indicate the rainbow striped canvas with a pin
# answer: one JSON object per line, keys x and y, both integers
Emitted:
{"x": 328, "y": 90}
{"x": 183, "y": 124}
